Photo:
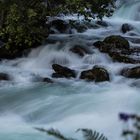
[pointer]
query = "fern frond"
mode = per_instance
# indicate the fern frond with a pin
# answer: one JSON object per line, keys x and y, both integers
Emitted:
{"x": 90, "y": 135}
{"x": 54, "y": 133}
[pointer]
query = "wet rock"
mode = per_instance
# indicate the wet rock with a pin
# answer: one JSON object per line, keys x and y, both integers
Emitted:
{"x": 102, "y": 46}
{"x": 112, "y": 43}
{"x": 102, "y": 23}
{"x": 81, "y": 51}
{"x": 79, "y": 26}
{"x": 57, "y": 75}
{"x": 47, "y": 80}
{"x": 117, "y": 42}
{"x": 118, "y": 57}
{"x": 131, "y": 72}
{"x": 61, "y": 71}
{"x": 118, "y": 49}
{"x": 4, "y": 77}
{"x": 82, "y": 26}
{"x": 126, "y": 28}
{"x": 60, "y": 25}
{"x": 97, "y": 74}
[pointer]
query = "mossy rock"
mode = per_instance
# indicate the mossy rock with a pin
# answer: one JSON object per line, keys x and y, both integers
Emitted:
{"x": 97, "y": 74}
{"x": 117, "y": 41}
{"x": 118, "y": 48}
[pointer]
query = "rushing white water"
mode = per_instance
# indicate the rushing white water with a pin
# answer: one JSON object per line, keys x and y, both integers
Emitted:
{"x": 69, "y": 104}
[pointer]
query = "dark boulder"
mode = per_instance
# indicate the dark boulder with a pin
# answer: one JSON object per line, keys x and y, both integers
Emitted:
{"x": 97, "y": 74}
{"x": 131, "y": 72}
{"x": 118, "y": 48}
{"x": 4, "y": 77}
{"x": 103, "y": 47}
{"x": 61, "y": 71}
{"x": 112, "y": 43}
{"x": 60, "y": 25}
{"x": 80, "y": 50}
{"x": 126, "y": 28}
{"x": 117, "y": 42}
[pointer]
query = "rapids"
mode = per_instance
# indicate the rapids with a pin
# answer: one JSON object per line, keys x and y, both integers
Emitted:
{"x": 69, "y": 104}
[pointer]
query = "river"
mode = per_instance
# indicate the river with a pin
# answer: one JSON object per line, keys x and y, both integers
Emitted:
{"x": 69, "y": 104}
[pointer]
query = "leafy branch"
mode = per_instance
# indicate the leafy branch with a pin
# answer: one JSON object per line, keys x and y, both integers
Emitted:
{"x": 88, "y": 134}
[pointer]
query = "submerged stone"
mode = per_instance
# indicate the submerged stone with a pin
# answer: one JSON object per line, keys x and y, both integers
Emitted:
{"x": 4, "y": 77}
{"x": 47, "y": 80}
{"x": 131, "y": 72}
{"x": 126, "y": 28}
{"x": 80, "y": 50}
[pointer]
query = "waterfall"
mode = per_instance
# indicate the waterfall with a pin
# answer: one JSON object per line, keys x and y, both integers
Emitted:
{"x": 128, "y": 10}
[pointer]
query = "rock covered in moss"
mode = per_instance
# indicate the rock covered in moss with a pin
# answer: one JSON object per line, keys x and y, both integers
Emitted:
{"x": 118, "y": 48}
{"x": 97, "y": 74}
{"x": 117, "y": 42}
{"x": 112, "y": 43}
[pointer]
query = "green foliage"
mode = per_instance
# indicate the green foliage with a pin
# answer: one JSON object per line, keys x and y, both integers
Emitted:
{"x": 24, "y": 24}
{"x": 88, "y": 8}
{"x": 88, "y": 134}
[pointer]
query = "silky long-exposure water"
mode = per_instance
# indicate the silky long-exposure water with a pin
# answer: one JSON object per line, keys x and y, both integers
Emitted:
{"x": 69, "y": 104}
